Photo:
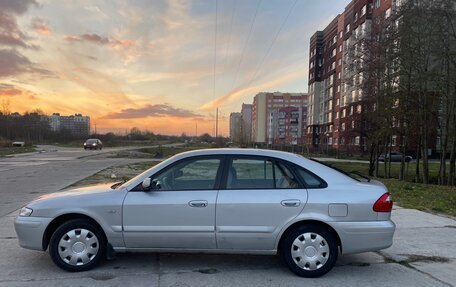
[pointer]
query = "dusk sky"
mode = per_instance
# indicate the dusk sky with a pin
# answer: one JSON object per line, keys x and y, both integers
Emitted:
{"x": 150, "y": 64}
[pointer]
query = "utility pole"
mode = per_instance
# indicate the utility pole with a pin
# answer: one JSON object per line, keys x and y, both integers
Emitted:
{"x": 95, "y": 128}
{"x": 196, "y": 129}
{"x": 216, "y": 123}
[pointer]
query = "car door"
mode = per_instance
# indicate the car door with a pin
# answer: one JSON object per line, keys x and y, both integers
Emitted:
{"x": 179, "y": 212}
{"x": 259, "y": 195}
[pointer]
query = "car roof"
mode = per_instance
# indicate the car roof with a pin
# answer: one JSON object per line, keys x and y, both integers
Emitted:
{"x": 240, "y": 151}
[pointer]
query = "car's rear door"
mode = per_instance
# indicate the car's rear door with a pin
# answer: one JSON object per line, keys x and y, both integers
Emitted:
{"x": 258, "y": 196}
{"x": 180, "y": 212}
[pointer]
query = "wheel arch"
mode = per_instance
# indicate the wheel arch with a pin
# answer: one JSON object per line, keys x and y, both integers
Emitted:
{"x": 59, "y": 220}
{"x": 308, "y": 222}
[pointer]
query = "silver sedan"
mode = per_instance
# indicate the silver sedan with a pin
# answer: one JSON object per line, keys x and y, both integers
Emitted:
{"x": 217, "y": 201}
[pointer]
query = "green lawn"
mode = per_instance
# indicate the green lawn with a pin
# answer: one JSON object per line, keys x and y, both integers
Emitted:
{"x": 4, "y": 151}
{"x": 426, "y": 197}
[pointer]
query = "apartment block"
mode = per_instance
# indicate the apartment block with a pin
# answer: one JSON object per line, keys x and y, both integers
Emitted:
{"x": 246, "y": 116}
{"x": 235, "y": 127}
{"x": 335, "y": 115}
{"x": 76, "y": 124}
{"x": 279, "y": 118}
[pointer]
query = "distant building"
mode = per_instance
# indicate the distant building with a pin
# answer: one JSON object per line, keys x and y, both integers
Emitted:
{"x": 279, "y": 118}
{"x": 246, "y": 116}
{"x": 235, "y": 127}
{"x": 77, "y": 125}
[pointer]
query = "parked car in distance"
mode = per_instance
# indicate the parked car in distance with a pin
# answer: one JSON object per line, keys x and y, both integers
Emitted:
{"x": 394, "y": 157}
{"x": 244, "y": 201}
{"x": 93, "y": 144}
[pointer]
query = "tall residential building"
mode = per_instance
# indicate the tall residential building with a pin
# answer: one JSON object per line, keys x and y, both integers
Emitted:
{"x": 77, "y": 124}
{"x": 235, "y": 127}
{"x": 246, "y": 116}
{"x": 279, "y": 118}
{"x": 335, "y": 95}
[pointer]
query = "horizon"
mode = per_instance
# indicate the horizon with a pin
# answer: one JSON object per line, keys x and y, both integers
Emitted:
{"x": 139, "y": 64}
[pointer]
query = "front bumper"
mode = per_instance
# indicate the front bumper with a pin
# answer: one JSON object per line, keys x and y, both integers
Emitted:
{"x": 30, "y": 231}
{"x": 365, "y": 236}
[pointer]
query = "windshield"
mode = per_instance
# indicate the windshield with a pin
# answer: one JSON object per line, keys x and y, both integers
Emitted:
{"x": 352, "y": 174}
{"x": 91, "y": 141}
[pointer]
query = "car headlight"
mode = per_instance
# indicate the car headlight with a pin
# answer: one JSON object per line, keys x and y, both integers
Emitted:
{"x": 25, "y": 211}
{"x": 94, "y": 144}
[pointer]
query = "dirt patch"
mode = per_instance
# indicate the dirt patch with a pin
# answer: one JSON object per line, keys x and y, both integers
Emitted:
{"x": 412, "y": 258}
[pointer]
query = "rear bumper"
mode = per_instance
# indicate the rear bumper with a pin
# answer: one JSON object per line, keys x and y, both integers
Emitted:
{"x": 365, "y": 236}
{"x": 30, "y": 231}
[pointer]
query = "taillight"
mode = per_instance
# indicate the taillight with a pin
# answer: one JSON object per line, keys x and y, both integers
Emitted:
{"x": 384, "y": 203}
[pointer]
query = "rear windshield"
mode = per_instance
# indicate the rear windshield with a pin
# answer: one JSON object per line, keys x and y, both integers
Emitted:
{"x": 353, "y": 174}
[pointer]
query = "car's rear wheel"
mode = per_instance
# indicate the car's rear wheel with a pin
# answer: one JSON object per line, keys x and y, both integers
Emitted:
{"x": 310, "y": 251}
{"x": 77, "y": 245}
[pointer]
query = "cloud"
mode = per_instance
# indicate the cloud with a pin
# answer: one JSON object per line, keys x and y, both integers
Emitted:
{"x": 17, "y": 6}
{"x": 100, "y": 40}
{"x": 10, "y": 34}
{"x": 8, "y": 90}
{"x": 158, "y": 110}
{"x": 13, "y": 63}
{"x": 40, "y": 26}
{"x": 242, "y": 90}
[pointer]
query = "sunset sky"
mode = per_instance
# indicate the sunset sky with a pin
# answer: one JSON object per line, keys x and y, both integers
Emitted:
{"x": 150, "y": 63}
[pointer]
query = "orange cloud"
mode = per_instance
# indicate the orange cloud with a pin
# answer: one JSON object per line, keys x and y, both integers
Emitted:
{"x": 40, "y": 26}
{"x": 241, "y": 90}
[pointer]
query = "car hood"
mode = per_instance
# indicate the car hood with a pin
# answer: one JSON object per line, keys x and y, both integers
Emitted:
{"x": 76, "y": 192}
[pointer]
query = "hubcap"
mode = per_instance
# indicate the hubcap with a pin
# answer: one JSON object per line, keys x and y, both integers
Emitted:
{"x": 310, "y": 251}
{"x": 78, "y": 247}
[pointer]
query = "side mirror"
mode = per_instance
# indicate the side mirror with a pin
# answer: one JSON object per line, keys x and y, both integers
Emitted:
{"x": 146, "y": 184}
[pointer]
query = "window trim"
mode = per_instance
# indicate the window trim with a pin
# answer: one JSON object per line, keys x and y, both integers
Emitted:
{"x": 218, "y": 176}
{"x": 287, "y": 164}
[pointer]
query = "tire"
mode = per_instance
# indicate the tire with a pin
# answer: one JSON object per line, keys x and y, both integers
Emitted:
{"x": 76, "y": 241}
{"x": 314, "y": 246}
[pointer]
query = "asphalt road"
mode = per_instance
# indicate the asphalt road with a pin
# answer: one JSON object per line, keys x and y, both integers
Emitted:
{"x": 423, "y": 253}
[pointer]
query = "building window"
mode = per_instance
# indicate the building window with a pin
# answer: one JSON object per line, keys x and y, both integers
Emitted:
{"x": 358, "y": 109}
{"x": 343, "y": 113}
{"x": 353, "y": 124}
{"x": 363, "y": 10}
{"x": 387, "y": 13}
{"x": 377, "y": 3}
{"x": 393, "y": 140}
{"x": 357, "y": 140}
{"x": 341, "y": 34}
{"x": 347, "y": 28}
{"x": 356, "y": 16}
{"x": 342, "y": 128}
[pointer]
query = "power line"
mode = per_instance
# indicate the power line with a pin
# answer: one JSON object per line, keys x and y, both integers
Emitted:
{"x": 229, "y": 35}
{"x": 272, "y": 43}
{"x": 245, "y": 45}
{"x": 215, "y": 44}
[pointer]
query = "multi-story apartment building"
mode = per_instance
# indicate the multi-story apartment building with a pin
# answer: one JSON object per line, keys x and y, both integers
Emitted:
{"x": 235, "y": 127}
{"x": 279, "y": 118}
{"x": 77, "y": 125}
{"x": 335, "y": 94}
{"x": 246, "y": 116}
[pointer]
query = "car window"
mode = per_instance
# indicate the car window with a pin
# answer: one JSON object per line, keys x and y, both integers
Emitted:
{"x": 310, "y": 179}
{"x": 284, "y": 178}
{"x": 260, "y": 173}
{"x": 195, "y": 174}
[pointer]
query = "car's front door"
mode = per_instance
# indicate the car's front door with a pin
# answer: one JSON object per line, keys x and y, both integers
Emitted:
{"x": 179, "y": 212}
{"x": 259, "y": 197}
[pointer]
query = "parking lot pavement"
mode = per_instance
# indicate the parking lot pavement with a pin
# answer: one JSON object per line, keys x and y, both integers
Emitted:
{"x": 423, "y": 253}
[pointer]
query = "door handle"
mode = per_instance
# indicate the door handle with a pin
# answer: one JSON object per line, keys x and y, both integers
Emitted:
{"x": 291, "y": 203}
{"x": 198, "y": 203}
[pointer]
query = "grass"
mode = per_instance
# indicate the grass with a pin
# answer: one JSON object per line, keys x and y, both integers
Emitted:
{"x": 426, "y": 197}
{"x": 5, "y": 151}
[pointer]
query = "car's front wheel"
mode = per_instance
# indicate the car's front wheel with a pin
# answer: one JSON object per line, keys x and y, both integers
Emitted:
{"x": 310, "y": 251}
{"x": 77, "y": 245}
